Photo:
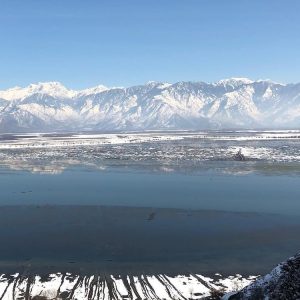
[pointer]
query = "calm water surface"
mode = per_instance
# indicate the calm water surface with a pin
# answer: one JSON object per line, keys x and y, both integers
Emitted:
{"x": 168, "y": 207}
{"x": 208, "y": 190}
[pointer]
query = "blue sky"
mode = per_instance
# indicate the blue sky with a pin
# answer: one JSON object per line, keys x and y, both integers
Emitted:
{"x": 122, "y": 43}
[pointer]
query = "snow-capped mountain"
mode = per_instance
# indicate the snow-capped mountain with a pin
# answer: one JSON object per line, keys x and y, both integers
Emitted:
{"x": 54, "y": 89}
{"x": 229, "y": 103}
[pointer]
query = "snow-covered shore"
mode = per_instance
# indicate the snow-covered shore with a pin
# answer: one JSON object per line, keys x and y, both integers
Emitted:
{"x": 40, "y": 140}
{"x": 108, "y": 287}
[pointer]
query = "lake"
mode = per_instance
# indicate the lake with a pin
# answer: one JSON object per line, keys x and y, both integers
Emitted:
{"x": 155, "y": 203}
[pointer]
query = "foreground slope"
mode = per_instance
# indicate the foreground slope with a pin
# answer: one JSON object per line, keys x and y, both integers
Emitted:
{"x": 283, "y": 282}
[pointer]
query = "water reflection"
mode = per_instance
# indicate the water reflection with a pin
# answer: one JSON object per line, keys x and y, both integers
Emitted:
{"x": 57, "y": 166}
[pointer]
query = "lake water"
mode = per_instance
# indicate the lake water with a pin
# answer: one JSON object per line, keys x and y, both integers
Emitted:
{"x": 208, "y": 190}
{"x": 159, "y": 203}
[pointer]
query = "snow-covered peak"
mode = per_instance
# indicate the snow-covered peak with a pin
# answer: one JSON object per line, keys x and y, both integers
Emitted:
{"x": 157, "y": 84}
{"x": 235, "y": 81}
{"x": 164, "y": 85}
{"x": 54, "y": 89}
{"x": 152, "y": 82}
{"x": 269, "y": 81}
{"x": 94, "y": 90}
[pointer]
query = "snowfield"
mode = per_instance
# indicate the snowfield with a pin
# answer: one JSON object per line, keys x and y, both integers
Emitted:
{"x": 39, "y": 140}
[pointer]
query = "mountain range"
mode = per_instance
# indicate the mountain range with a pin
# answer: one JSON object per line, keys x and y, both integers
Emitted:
{"x": 235, "y": 103}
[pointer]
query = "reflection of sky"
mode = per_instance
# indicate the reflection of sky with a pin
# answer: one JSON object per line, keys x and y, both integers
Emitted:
{"x": 138, "y": 187}
{"x": 229, "y": 167}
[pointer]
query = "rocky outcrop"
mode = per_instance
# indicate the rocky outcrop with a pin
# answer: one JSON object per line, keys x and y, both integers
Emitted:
{"x": 282, "y": 283}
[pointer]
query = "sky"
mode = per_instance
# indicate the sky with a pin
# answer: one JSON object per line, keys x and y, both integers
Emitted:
{"x": 124, "y": 43}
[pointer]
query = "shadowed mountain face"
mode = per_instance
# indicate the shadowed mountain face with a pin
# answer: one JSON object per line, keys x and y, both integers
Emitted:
{"x": 283, "y": 282}
{"x": 231, "y": 103}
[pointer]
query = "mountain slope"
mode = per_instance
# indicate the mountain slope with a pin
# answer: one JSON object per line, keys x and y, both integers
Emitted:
{"x": 283, "y": 282}
{"x": 229, "y": 103}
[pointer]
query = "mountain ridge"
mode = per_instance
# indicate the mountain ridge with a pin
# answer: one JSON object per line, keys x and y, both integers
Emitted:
{"x": 235, "y": 103}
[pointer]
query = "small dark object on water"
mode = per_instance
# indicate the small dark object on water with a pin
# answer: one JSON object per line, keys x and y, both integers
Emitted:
{"x": 25, "y": 192}
{"x": 239, "y": 156}
{"x": 151, "y": 216}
